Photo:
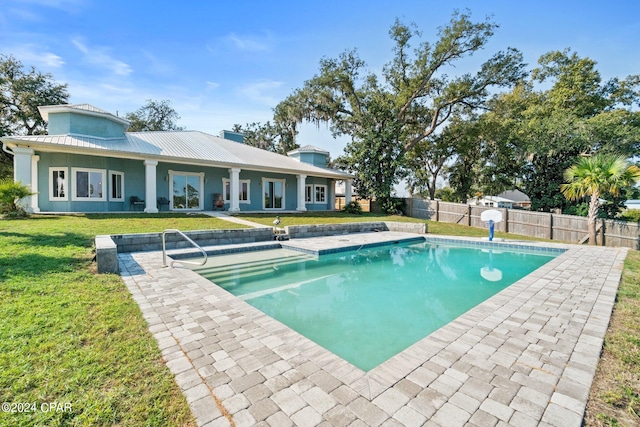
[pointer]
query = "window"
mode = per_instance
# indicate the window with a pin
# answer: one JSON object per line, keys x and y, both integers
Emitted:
{"x": 308, "y": 193}
{"x": 88, "y": 184}
{"x": 315, "y": 193}
{"x": 116, "y": 191}
{"x": 321, "y": 194}
{"x": 244, "y": 195}
{"x": 58, "y": 184}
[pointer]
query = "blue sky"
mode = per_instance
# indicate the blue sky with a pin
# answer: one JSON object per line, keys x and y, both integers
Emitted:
{"x": 222, "y": 62}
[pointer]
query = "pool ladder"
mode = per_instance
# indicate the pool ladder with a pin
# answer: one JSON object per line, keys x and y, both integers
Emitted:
{"x": 188, "y": 239}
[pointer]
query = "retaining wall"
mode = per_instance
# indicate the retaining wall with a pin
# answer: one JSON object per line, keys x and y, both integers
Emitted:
{"x": 318, "y": 230}
{"x": 107, "y": 247}
{"x": 153, "y": 241}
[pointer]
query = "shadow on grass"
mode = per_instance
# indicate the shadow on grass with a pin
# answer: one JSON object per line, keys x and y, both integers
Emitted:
{"x": 25, "y": 266}
{"x": 145, "y": 215}
{"x": 50, "y": 240}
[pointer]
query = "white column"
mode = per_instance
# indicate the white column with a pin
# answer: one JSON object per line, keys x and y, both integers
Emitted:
{"x": 301, "y": 184}
{"x": 150, "y": 186}
{"x": 22, "y": 171}
{"x": 332, "y": 195}
{"x": 234, "y": 202}
{"x": 35, "y": 208}
{"x": 347, "y": 191}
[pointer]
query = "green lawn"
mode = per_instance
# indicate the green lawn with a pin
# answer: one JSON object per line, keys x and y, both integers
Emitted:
{"x": 70, "y": 336}
{"x": 440, "y": 228}
{"x": 615, "y": 395}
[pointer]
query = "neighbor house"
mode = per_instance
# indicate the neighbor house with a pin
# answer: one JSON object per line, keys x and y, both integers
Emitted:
{"x": 511, "y": 199}
{"x": 89, "y": 163}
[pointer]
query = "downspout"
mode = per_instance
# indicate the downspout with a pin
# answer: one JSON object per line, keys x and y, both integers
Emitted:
{"x": 6, "y": 149}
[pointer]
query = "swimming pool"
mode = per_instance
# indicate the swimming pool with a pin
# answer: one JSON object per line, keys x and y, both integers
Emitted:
{"x": 369, "y": 304}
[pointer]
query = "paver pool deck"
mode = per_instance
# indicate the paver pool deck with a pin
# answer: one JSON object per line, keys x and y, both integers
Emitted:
{"x": 524, "y": 357}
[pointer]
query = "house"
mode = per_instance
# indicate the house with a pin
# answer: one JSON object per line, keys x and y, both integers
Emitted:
{"x": 89, "y": 163}
{"x": 511, "y": 199}
{"x": 632, "y": 204}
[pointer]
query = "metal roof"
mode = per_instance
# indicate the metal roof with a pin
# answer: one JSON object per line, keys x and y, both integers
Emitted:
{"x": 86, "y": 109}
{"x": 308, "y": 149}
{"x": 176, "y": 146}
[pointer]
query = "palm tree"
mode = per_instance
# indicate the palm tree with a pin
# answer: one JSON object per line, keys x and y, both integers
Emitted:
{"x": 11, "y": 193}
{"x": 596, "y": 175}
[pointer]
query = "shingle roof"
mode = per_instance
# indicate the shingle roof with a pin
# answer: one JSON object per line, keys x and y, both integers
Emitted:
{"x": 193, "y": 146}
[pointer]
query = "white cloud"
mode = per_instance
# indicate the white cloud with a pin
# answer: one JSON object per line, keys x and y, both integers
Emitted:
{"x": 99, "y": 56}
{"x": 212, "y": 86}
{"x": 249, "y": 43}
{"x": 56, "y": 4}
{"x": 31, "y": 55}
{"x": 244, "y": 43}
{"x": 259, "y": 92}
{"x": 22, "y": 8}
{"x": 156, "y": 66}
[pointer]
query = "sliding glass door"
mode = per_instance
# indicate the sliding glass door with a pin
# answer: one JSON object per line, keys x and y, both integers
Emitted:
{"x": 186, "y": 190}
{"x": 273, "y": 190}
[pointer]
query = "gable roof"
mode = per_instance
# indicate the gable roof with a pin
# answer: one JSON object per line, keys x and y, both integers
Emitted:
{"x": 192, "y": 147}
{"x": 515, "y": 196}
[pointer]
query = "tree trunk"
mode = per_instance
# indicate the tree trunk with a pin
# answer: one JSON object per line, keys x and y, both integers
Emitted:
{"x": 593, "y": 216}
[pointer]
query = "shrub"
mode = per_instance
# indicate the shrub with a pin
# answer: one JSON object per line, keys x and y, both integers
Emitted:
{"x": 353, "y": 207}
{"x": 394, "y": 206}
{"x": 631, "y": 215}
{"x": 10, "y": 195}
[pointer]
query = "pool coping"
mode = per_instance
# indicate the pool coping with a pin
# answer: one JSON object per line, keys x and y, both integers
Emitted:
{"x": 525, "y": 355}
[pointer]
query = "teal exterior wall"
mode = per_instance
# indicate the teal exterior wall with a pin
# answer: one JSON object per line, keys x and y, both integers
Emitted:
{"x": 133, "y": 179}
{"x": 232, "y": 136}
{"x": 315, "y": 159}
{"x": 134, "y": 184}
{"x": 74, "y": 123}
{"x": 330, "y": 191}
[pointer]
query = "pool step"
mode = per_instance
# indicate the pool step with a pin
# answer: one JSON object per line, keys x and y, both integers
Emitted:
{"x": 250, "y": 268}
{"x": 232, "y": 276}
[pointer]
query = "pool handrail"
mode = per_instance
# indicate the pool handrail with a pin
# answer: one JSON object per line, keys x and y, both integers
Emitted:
{"x": 187, "y": 238}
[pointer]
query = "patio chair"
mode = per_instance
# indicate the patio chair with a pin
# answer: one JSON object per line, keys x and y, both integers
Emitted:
{"x": 218, "y": 202}
{"x": 163, "y": 201}
{"x": 135, "y": 203}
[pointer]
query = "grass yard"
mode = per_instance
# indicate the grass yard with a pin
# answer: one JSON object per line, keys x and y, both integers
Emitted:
{"x": 75, "y": 338}
{"x": 71, "y": 337}
{"x": 441, "y": 228}
{"x": 615, "y": 394}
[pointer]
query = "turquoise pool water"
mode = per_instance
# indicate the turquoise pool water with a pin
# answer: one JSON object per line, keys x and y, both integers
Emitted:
{"x": 368, "y": 305}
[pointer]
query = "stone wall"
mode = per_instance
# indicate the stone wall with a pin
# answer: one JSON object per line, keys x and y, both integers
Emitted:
{"x": 317, "y": 230}
{"x": 153, "y": 241}
{"x": 107, "y": 247}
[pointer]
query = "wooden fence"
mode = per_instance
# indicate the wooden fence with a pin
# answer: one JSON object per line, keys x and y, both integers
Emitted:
{"x": 565, "y": 228}
{"x": 364, "y": 203}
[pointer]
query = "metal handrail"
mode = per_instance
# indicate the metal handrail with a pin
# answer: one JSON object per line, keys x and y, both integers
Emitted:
{"x": 164, "y": 250}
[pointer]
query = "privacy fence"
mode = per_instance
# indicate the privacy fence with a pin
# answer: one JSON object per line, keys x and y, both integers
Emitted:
{"x": 566, "y": 228}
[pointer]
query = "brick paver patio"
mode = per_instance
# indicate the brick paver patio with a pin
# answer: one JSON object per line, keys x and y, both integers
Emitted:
{"x": 525, "y": 357}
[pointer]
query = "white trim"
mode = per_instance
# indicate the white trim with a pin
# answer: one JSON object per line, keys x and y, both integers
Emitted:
{"x": 284, "y": 192}
{"x": 74, "y": 185}
{"x": 122, "y": 195}
{"x": 226, "y": 181}
{"x": 312, "y": 194}
{"x": 324, "y": 194}
{"x": 309, "y": 188}
{"x": 65, "y": 188}
{"x": 201, "y": 189}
